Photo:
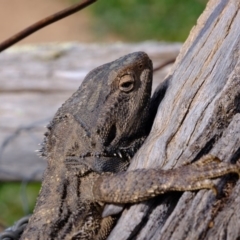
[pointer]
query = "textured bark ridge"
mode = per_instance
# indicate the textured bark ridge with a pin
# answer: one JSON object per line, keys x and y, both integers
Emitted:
{"x": 198, "y": 115}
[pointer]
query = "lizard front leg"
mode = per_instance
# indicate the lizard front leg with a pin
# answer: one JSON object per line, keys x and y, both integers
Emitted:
{"x": 142, "y": 184}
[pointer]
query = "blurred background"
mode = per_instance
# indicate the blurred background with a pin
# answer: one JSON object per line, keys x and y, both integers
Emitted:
{"x": 105, "y": 21}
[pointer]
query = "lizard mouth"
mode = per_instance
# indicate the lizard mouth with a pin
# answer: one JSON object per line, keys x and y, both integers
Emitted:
{"x": 123, "y": 154}
{"x": 118, "y": 154}
{"x": 101, "y": 162}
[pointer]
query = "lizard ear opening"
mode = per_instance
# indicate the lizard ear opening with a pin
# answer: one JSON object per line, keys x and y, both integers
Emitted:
{"x": 126, "y": 83}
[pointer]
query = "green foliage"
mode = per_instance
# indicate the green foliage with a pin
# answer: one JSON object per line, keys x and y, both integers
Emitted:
{"x": 137, "y": 20}
{"x": 13, "y": 198}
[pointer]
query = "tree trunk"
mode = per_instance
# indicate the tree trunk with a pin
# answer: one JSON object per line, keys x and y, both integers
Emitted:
{"x": 198, "y": 115}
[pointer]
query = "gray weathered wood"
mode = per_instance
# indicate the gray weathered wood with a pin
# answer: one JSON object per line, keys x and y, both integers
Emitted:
{"x": 199, "y": 114}
{"x": 36, "y": 80}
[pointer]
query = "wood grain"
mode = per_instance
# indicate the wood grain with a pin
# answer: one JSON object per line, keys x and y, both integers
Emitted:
{"x": 199, "y": 114}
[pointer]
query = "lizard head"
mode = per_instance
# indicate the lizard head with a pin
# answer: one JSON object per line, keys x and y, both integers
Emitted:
{"x": 124, "y": 97}
{"x": 111, "y": 107}
{"x": 125, "y": 112}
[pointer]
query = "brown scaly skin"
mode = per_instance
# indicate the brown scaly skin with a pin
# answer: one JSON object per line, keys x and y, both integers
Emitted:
{"x": 88, "y": 147}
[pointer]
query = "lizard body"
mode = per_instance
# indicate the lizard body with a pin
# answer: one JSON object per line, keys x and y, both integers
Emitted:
{"x": 88, "y": 146}
{"x": 95, "y": 131}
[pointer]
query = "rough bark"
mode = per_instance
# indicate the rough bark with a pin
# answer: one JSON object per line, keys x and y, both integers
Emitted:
{"x": 199, "y": 114}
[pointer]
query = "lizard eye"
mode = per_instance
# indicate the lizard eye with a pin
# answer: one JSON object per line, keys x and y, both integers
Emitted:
{"x": 126, "y": 83}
